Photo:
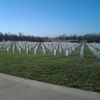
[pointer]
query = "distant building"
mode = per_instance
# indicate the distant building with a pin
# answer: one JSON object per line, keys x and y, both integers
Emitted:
{"x": 64, "y": 40}
{"x": 74, "y": 41}
{"x": 83, "y": 41}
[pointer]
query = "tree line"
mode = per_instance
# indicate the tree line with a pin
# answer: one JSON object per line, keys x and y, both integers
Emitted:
{"x": 20, "y": 37}
{"x": 90, "y": 37}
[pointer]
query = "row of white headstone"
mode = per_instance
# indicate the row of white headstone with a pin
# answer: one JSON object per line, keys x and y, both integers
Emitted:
{"x": 4, "y": 44}
{"x": 68, "y": 48}
{"x": 44, "y": 49}
{"x": 94, "y": 49}
{"x": 82, "y": 51}
{"x": 95, "y": 45}
{"x": 71, "y": 49}
{"x": 36, "y": 48}
{"x": 19, "y": 46}
{"x": 8, "y": 47}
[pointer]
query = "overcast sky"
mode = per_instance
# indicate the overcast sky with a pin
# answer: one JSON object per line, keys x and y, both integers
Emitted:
{"x": 50, "y": 17}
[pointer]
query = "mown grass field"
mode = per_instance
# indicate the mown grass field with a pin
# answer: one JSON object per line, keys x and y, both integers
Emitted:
{"x": 72, "y": 71}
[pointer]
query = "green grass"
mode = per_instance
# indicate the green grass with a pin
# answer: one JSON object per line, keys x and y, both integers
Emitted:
{"x": 72, "y": 71}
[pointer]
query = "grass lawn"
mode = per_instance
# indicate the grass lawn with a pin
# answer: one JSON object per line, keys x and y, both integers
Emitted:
{"x": 72, "y": 71}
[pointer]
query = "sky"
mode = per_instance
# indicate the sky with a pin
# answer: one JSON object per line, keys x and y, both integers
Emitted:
{"x": 50, "y": 17}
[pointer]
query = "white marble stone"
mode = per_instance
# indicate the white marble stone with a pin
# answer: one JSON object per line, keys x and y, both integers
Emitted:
{"x": 95, "y": 51}
{"x": 98, "y": 54}
{"x": 55, "y": 52}
{"x": 7, "y": 49}
{"x": 13, "y": 47}
{"x": 70, "y": 50}
{"x": 67, "y": 52}
{"x": 60, "y": 50}
{"x": 20, "y": 50}
{"x": 35, "y": 51}
{"x": 27, "y": 50}
{"x": 82, "y": 51}
{"x": 51, "y": 49}
{"x": 44, "y": 51}
{"x": 73, "y": 48}
{"x": 81, "y": 54}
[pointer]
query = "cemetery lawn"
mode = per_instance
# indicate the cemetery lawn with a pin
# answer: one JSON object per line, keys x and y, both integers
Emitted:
{"x": 72, "y": 71}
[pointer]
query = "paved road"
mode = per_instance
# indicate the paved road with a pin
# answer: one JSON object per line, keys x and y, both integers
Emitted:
{"x": 15, "y": 88}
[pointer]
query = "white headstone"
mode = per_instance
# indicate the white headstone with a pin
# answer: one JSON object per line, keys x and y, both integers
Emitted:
{"x": 95, "y": 51}
{"x": 51, "y": 49}
{"x": 13, "y": 48}
{"x": 19, "y": 50}
{"x": 27, "y": 50}
{"x": 67, "y": 52}
{"x": 70, "y": 50}
{"x": 55, "y": 52}
{"x": 7, "y": 49}
{"x": 82, "y": 51}
{"x": 24, "y": 47}
{"x": 44, "y": 51}
{"x": 60, "y": 50}
{"x": 35, "y": 51}
{"x": 73, "y": 48}
{"x": 82, "y": 54}
{"x": 98, "y": 54}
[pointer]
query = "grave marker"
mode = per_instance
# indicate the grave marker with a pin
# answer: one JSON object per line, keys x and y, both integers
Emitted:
{"x": 67, "y": 52}
{"x": 44, "y": 51}
{"x": 82, "y": 51}
{"x": 27, "y": 50}
{"x": 55, "y": 52}
{"x": 98, "y": 54}
{"x": 35, "y": 51}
